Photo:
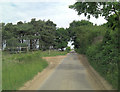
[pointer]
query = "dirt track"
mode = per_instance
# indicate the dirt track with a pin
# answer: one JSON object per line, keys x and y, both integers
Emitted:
{"x": 98, "y": 82}
{"x": 71, "y": 72}
{"x": 38, "y": 79}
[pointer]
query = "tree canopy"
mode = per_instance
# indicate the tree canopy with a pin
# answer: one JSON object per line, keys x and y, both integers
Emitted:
{"x": 110, "y": 10}
{"x": 97, "y": 9}
{"x": 105, "y": 55}
{"x": 34, "y": 34}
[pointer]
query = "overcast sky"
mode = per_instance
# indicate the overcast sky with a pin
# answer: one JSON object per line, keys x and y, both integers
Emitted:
{"x": 57, "y": 11}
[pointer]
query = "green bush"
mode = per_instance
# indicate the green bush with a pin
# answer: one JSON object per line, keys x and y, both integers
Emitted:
{"x": 104, "y": 57}
{"x": 68, "y": 49}
{"x": 84, "y": 36}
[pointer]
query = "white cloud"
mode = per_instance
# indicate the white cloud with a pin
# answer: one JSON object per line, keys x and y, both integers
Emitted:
{"x": 70, "y": 1}
{"x": 58, "y": 12}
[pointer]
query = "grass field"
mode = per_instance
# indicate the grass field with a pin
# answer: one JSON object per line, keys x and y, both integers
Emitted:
{"x": 19, "y": 68}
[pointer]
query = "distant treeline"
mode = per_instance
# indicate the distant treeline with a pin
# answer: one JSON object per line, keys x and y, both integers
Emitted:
{"x": 33, "y": 35}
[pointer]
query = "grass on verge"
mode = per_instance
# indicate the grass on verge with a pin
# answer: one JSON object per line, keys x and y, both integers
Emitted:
{"x": 19, "y": 68}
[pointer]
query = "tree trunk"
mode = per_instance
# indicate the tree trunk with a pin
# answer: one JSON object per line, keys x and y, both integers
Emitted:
{"x": 49, "y": 51}
{"x": 22, "y": 40}
{"x": 31, "y": 44}
{"x": 119, "y": 54}
{"x": 34, "y": 44}
{"x": 62, "y": 49}
{"x": 40, "y": 44}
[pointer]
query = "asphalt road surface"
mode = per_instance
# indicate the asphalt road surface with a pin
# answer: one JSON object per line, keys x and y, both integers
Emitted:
{"x": 70, "y": 74}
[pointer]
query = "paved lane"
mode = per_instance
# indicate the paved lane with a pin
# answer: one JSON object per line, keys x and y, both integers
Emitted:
{"x": 69, "y": 75}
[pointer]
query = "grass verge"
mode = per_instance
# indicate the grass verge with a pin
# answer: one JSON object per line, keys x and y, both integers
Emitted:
{"x": 19, "y": 68}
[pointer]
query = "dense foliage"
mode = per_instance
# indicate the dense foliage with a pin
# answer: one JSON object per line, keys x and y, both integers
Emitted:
{"x": 103, "y": 55}
{"x": 97, "y": 9}
{"x": 100, "y": 44}
{"x": 34, "y": 35}
{"x": 104, "y": 58}
{"x": 83, "y": 34}
{"x": 68, "y": 49}
{"x": 62, "y": 38}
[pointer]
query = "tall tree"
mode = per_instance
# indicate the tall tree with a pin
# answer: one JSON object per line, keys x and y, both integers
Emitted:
{"x": 111, "y": 12}
{"x": 97, "y": 9}
{"x": 62, "y": 38}
{"x": 75, "y": 24}
{"x": 7, "y": 32}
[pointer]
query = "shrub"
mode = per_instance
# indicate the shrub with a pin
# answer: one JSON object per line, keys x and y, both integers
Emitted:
{"x": 68, "y": 49}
